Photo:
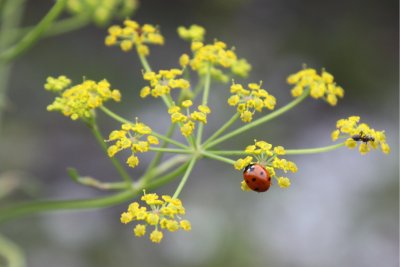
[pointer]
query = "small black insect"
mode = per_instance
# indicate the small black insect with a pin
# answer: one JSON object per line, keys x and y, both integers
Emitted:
{"x": 363, "y": 137}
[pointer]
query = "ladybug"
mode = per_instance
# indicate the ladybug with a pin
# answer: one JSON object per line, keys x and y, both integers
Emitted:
{"x": 257, "y": 177}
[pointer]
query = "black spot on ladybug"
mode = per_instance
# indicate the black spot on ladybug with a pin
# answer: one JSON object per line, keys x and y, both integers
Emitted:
{"x": 261, "y": 173}
{"x": 256, "y": 189}
{"x": 269, "y": 178}
{"x": 254, "y": 179}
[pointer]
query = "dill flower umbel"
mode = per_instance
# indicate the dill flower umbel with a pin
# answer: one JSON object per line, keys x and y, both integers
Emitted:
{"x": 269, "y": 157}
{"x": 163, "y": 82}
{"x": 250, "y": 100}
{"x": 164, "y": 213}
{"x": 187, "y": 119}
{"x": 354, "y": 131}
{"x": 321, "y": 86}
{"x": 78, "y": 101}
{"x": 130, "y": 137}
{"x": 211, "y": 57}
{"x": 132, "y": 34}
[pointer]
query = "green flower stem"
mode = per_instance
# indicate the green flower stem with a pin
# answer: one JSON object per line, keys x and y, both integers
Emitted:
{"x": 92, "y": 182}
{"x": 204, "y": 102}
{"x": 11, "y": 253}
{"x": 185, "y": 177}
{"x": 166, "y": 178}
{"x": 210, "y": 155}
{"x": 10, "y": 16}
{"x": 168, "y": 164}
{"x": 171, "y": 150}
{"x": 260, "y": 121}
{"x": 100, "y": 139}
{"x": 288, "y": 151}
{"x": 313, "y": 150}
{"x": 144, "y": 62}
{"x": 228, "y": 152}
{"x": 157, "y": 158}
{"x": 199, "y": 87}
{"x": 34, "y": 35}
{"x": 61, "y": 26}
{"x": 222, "y": 128}
{"x": 22, "y": 209}
{"x": 123, "y": 120}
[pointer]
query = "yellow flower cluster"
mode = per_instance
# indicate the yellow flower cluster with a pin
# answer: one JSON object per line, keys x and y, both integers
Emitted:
{"x": 163, "y": 82}
{"x": 164, "y": 213}
{"x": 102, "y": 11}
{"x": 130, "y": 137}
{"x": 267, "y": 156}
{"x": 187, "y": 121}
{"x": 132, "y": 34}
{"x": 57, "y": 84}
{"x": 321, "y": 86}
{"x": 212, "y": 56}
{"x": 193, "y": 33}
{"x": 250, "y": 100}
{"x": 354, "y": 131}
{"x": 78, "y": 101}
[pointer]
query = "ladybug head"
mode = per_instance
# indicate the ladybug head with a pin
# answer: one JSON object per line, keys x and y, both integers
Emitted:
{"x": 248, "y": 167}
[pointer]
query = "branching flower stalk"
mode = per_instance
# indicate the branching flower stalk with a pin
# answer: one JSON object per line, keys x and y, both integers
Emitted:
{"x": 211, "y": 62}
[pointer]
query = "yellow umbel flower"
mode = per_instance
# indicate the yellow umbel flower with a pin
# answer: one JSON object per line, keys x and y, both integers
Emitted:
{"x": 102, "y": 11}
{"x": 163, "y": 82}
{"x": 187, "y": 120}
{"x": 80, "y": 100}
{"x": 354, "y": 132}
{"x": 211, "y": 57}
{"x": 267, "y": 156}
{"x": 250, "y": 100}
{"x": 193, "y": 33}
{"x": 164, "y": 213}
{"x": 321, "y": 86}
{"x": 130, "y": 137}
{"x": 133, "y": 34}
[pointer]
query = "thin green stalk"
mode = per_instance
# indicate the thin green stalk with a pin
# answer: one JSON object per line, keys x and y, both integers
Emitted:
{"x": 61, "y": 26}
{"x": 34, "y": 35}
{"x": 170, "y": 150}
{"x": 259, "y": 121}
{"x": 222, "y": 128}
{"x": 157, "y": 158}
{"x": 185, "y": 177}
{"x": 166, "y": 178}
{"x": 216, "y": 157}
{"x": 144, "y": 62}
{"x": 123, "y": 120}
{"x": 22, "y": 209}
{"x": 100, "y": 139}
{"x": 92, "y": 182}
{"x": 228, "y": 152}
{"x": 204, "y": 102}
{"x": 11, "y": 253}
{"x": 168, "y": 164}
{"x": 313, "y": 150}
{"x": 10, "y": 15}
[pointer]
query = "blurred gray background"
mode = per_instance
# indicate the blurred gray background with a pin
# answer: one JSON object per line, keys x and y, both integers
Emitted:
{"x": 342, "y": 208}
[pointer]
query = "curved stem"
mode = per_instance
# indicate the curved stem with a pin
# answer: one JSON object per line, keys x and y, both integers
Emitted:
{"x": 185, "y": 177}
{"x": 170, "y": 150}
{"x": 313, "y": 150}
{"x": 11, "y": 253}
{"x": 204, "y": 102}
{"x": 228, "y": 152}
{"x": 262, "y": 120}
{"x": 166, "y": 178}
{"x": 144, "y": 62}
{"x": 100, "y": 139}
{"x": 207, "y": 154}
{"x": 123, "y": 120}
{"x": 157, "y": 158}
{"x": 222, "y": 128}
{"x": 31, "y": 207}
{"x": 34, "y": 35}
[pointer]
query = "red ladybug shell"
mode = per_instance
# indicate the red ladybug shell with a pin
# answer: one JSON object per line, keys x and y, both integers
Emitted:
{"x": 257, "y": 177}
